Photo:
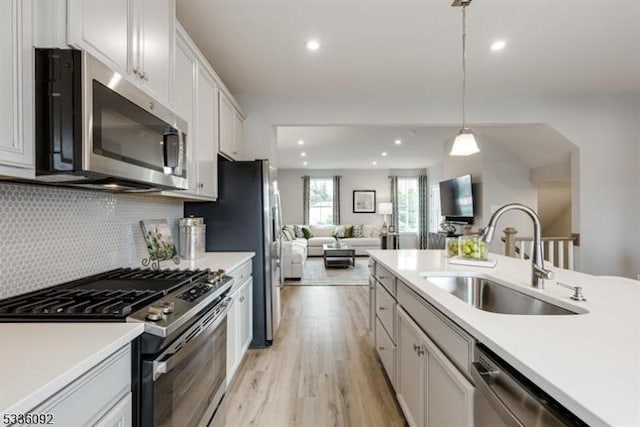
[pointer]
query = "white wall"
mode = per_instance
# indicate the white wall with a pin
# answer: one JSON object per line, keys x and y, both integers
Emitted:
{"x": 606, "y": 129}
{"x": 290, "y": 185}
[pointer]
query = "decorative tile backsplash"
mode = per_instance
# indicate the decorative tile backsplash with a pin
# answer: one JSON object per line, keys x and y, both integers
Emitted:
{"x": 51, "y": 235}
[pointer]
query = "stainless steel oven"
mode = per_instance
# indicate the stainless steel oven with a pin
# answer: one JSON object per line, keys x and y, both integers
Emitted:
{"x": 185, "y": 385}
{"x": 94, "y": 128}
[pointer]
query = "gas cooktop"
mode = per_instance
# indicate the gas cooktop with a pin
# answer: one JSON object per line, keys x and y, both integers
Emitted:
{"x": 163, "y": 299}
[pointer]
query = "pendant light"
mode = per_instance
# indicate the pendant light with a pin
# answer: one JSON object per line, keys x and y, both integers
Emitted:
{"x": 465, "y": 143}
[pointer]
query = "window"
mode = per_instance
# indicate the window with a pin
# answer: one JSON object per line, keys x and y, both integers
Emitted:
{"x": 435, "y": 216}
{"x": 408, "y": 205}
{"x": 321, "y": 201}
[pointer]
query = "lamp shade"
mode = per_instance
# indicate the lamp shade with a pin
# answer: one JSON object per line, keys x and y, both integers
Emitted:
{"x": 465, "y": 144}
{"x": 385, "y": 208}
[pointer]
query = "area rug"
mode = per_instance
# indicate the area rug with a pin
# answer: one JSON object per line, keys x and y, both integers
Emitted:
{"x": 315, "y": 274}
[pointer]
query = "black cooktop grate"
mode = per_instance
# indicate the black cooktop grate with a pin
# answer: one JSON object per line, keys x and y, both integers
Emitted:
{"x": 111, "y": 295}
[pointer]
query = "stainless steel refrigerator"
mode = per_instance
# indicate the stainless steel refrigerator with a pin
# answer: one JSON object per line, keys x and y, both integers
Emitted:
{"x": 246, "y": 217}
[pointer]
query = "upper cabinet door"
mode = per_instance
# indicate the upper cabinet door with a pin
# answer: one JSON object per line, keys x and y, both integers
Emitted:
{"x": 16, "y": 86}
{"x": 238, "y": 136}
{"x": 186, "y": 68}
{"x": 227, "y": 129}
{"x": 207, "y": 134}
{"x": 102, "y": 27}
{"x": 155, "y": 33}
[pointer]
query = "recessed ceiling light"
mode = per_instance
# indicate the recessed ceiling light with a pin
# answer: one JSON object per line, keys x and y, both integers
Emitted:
{"x": 313, "y": 44}
{"x": 304, "y": 163}
{"x": 300, "y": 142}
{"x": 383, "y": 154}
{"x": 374, "y": 163}
{"x": 397, "y": 142}
{"x": 498, "y": 45}
{"x": 303, "y": 154}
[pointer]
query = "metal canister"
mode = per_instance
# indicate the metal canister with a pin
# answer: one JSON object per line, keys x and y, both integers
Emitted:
{"x": 192, "y": 237}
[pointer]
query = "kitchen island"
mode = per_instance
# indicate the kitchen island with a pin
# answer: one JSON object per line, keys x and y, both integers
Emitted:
{"x": 588, "y": 362}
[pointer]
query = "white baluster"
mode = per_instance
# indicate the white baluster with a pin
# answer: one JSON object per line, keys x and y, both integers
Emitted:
{"x": 570, "y": 255}
{"x": 561, "y": 253}
{"x": 550, "y": 251}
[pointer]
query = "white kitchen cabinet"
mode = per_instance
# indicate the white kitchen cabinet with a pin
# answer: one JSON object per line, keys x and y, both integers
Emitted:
{"x": 119, "y": 415}
{"x": 206, "y": 134}
{"x": 246, "y": 317}
{"x": 430, "y": 389}
{"x": 411, "y": 375}
{"x": 239, "y": 318}
{"x": 449, "y": 393}
{"x": 16, "y": 89}
{"x": 153, "y": 41}
{"x": 101, "y": 397}
{"x": 134, "y": 37}
{"x": 102, "y": 28}
{"x": 231, "y": 129}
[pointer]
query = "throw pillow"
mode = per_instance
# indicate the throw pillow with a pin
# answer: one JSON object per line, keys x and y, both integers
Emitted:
{"x": 287, "y": 234}
{"x": 297, "y": 231}
{"x": 340, "y": 232}
{"x": 289, "y": 228}
{"x": 348, "y": 231}
{"x": 307, "y": 232}
{"x": 358, "y": 230}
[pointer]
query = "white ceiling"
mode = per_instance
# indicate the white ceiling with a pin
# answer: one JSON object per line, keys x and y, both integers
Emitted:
{"x": 412, "y": 47}
{"x": 356, "y": 147}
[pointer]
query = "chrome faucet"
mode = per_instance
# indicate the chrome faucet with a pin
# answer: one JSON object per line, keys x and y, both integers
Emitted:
{"x": 538, "y": 272}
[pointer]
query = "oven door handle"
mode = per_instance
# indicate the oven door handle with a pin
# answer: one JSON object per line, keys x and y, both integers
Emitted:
{"x": 174, "y": 355}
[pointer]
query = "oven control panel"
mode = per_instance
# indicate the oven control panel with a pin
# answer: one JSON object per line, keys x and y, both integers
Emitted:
{"x": 195, "y": 292}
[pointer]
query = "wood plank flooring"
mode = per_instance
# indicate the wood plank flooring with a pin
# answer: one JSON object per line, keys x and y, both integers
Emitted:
{"x": 321, "y": 371}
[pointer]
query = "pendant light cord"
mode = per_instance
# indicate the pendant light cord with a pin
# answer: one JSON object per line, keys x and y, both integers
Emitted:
{"x": 464, "y": 65}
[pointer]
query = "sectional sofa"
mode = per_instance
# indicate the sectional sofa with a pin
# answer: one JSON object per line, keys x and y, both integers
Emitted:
{"x": 296, "y": 249}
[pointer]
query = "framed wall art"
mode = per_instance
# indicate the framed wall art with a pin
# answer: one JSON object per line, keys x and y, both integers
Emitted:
{"x": 364, "y": 201}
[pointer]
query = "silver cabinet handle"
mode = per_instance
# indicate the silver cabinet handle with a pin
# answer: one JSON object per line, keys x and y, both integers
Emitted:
{"x": 381, "y": 308}
{"x": 201, "y": 185}
{"x": 136, "y": 71}
{"x": 382, "y": 348}
{"x": 418, "y": 349}
{"x": 241, "y": 298}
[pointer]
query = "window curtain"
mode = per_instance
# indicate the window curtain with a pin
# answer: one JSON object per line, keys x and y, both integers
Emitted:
{"x": 336, "y": 199}
{"x": 394, "y": 200}
{"x": 423, "y": 208}
{"x": 306, "y": 185}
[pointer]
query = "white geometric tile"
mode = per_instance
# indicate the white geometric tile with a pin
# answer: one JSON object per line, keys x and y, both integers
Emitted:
{"x": 51, "y": 235}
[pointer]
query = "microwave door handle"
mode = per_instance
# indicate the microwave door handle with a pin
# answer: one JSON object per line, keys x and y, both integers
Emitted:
{"x": 170, "y": 152}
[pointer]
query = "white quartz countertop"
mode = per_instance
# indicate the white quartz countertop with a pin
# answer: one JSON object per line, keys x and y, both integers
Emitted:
{"x": 39, "y": 359}
{"x": 589, "y": 362}
{"x": 214, "y": 260}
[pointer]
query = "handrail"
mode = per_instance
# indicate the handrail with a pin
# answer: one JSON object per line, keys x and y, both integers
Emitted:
{"x": 559, "y": 251}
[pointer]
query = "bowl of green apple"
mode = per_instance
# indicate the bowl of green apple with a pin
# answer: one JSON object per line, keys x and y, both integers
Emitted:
{"x": 472, "y": 247}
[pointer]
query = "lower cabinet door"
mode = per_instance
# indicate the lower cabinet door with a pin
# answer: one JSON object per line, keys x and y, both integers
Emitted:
{"x": 233, "y": 327}
{"x": 372, "y": 308}
{"x": 246, "y": 318}
{"x": 119, "y": 415}
{"x": 411, "y": 372}
{"x": 449, "y": 394}
{"x": 387, "y": 351}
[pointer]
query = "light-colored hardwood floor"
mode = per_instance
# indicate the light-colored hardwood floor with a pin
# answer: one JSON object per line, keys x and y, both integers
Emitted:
{"x": 321, "y": 371}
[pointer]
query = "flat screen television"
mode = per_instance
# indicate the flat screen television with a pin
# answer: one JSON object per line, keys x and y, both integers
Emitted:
{"x": 456, "y": 199}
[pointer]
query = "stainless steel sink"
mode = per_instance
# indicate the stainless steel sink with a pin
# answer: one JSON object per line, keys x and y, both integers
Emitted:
{"x": 490, "y": 296}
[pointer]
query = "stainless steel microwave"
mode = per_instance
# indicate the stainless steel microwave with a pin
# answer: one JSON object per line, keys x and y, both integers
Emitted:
{"x": 97, "y": 130}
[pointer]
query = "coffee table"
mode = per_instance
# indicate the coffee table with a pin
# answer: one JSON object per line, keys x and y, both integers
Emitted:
{"x": 342, "y": 256}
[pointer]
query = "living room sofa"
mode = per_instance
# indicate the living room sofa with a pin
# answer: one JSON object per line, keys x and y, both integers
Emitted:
{"x": 296, "y": 250}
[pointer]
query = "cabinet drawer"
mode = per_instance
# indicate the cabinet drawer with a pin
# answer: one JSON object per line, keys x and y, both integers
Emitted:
{"x": 241, "y": 274}
{"x": 387, "y": 279}
{"x": 450, "y": 338}
{"x": 386, "y": 310}
{"x": 387, "y": 351}
{"x": 88, "y": 398}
